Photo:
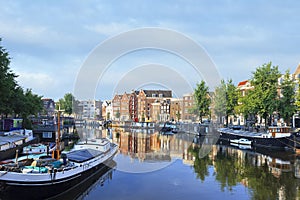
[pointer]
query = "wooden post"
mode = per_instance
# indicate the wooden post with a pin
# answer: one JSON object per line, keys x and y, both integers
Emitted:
{"x": 56, "y": 153}
{"x": 17, "y": 154}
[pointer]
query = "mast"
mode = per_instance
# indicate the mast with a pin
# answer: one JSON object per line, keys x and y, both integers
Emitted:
{"x": 56, "y": 153}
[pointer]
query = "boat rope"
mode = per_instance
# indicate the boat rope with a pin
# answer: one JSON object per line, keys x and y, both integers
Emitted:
{"x": 285, "y": 143}
{"x": 293, "y": 140}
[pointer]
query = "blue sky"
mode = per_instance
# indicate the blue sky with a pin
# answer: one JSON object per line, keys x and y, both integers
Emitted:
{"x": 49, "y": 41}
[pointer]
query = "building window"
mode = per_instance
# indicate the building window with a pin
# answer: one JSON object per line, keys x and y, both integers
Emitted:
{"x": 47, "y": 134}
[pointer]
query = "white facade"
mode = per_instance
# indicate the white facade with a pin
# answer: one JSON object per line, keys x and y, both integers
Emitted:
{"x": 107, "y": 110}
{"x": 91, "y": 109}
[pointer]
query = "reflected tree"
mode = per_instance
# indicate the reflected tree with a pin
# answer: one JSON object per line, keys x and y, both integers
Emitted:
{"x": 233, "y": 168}
{"x": 227, "y": 168}
{"x": 201, "y": 164}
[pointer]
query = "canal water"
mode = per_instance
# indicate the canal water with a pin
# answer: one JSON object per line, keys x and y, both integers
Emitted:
{"x": 183, "y": 166}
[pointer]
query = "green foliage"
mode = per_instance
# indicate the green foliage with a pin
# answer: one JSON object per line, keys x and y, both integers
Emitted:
{"x": 66, "y": 103}
{"x": 220, "y": 100}
{"x": 297, "y": 102}
{"x": 231, "y": 97}
{"x": 263, "y": 99}
{"x": 202, "y": 99}
{"x": 201, "y": 165}
{"x": 225, "y": 99}
{"x": 287, "y": 105}
{"x": 7, "y": 82}
{"x": 14, "y": 101}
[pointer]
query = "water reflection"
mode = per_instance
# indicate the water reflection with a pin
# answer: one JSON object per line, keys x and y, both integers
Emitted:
{"x": 264, "y": 174}
{"x": 267, "y": 174}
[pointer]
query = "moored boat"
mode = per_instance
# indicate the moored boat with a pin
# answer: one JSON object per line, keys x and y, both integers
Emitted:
{"x": 274, "y": 137}
{"x": 13, "y": 141}
{"x": 243, "y": 141}
{"x": 53, "y": 177}
{"x": 38, "y": 148}
{"x": 169, "y": 128}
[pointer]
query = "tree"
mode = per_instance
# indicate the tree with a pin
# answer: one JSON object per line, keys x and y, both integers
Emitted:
{"x": 19, "y": 101}
{"x": 231, "y": 99}
{"x": 66, "y": 103}
{"x": 247, "y": 105}
{"x": 226, "y": 99}
{"x": 7, "y": 83}
{"x": 14, "y": 101}
{"x": 32, "y": 106}
{"x": 202, "y": 99}
{"x": 297, "y": 101}
{"x": 287, "y": 105}
{"x": 265, "y": 82}
{"x": 220, "y": 101}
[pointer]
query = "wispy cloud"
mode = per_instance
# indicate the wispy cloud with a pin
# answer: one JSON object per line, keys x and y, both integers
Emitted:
{"x": 45, "y": 37}
{"x": 109, "y": 29}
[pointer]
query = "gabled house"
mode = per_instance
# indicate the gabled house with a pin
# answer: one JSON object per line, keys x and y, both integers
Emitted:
{"x": 133, "y": 106}
{"x": 124, "y": 108}
{"x": 49, "y": 107}
{"x": 116, "y": 107}
{"x": 145, "y": 100}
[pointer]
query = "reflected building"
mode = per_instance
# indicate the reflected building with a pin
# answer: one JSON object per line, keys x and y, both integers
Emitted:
{"x": 278, "y": 166}
{"x": 266, "y": 174}
{"x": 153, "y": 146}
{"x": 137, "y": 144}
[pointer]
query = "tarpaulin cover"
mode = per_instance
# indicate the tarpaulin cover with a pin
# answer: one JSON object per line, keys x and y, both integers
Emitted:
{"x": 82, "y": 155}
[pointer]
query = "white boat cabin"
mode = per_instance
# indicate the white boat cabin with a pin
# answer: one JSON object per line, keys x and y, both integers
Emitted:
{"x": 96, "y": 144}
{"x": 278, "y": 131}
{"x": 11, "y": 141}
{"x": 4, "y": 145}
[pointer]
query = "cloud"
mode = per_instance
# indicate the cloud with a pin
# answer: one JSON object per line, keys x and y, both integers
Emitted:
{"x": 36, "y": 81}
{"x": 238, "y": 36}
{"x": 109, "y": 29}
{"x": 19, "y": 32}
{"x": 45, "y": 78}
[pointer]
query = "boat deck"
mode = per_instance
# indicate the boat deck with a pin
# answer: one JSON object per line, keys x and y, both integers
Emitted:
{"x": 242, "y": 132}
{"x": 83, "y": 155}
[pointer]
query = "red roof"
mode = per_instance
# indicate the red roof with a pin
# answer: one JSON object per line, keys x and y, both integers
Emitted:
{"x": 243, "y": 83}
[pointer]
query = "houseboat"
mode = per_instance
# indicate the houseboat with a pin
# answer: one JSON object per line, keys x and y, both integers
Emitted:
{"x": 39, "y": 148}
{"x": 274, "y": 137}
{"x": 15, "y": 140}
{"x": 46, "y": 177}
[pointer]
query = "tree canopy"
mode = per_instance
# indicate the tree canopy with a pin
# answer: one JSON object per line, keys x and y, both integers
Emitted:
{"x": 265, "y": 82}
{"x": 202, "y": 100}
{"x": 287, "y": 106}
{"x": 67, "y": 103}
{"x": 14, "y": 101}
{"x": 269, "y": 96}
{"x": 225, "y": 99}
